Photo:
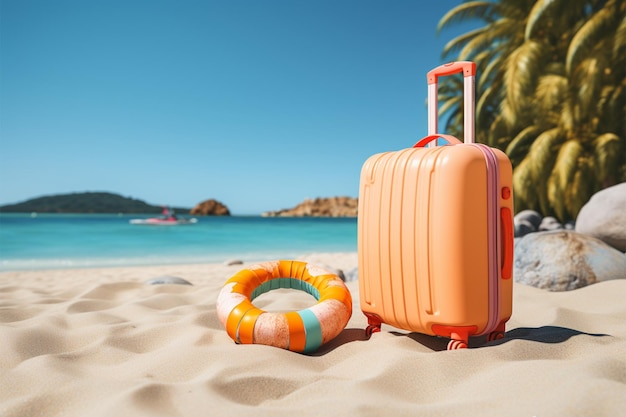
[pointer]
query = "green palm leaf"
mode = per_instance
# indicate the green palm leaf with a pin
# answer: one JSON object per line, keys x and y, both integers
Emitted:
{"x": 559, "y": 194}
{"x": 590, "y": 34}
{"x": 536, "y": 15}
{"x": 524, "y": 187}
{"x": 467, "y": 11}
{"x": 519, "y": 146}
{"x": 580, "y": 190}
{"x": 520, "y": 78}
{"x": 489, "y": 73}
{"x": 588, "y": 82}
{"x": 619, "y": 45}
{"x": 460, "y": 41}
{"x": 551, "y": 93}
{"x": 616, "y": 110}
{"x": 609, "y": 158}
{"x": 541, "y": 156}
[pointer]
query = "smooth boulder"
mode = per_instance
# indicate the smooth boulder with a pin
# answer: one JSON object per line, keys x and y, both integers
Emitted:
{"x": 563, "y": 260}
{"x": 527, "y": 221}
{"x": 604, "y": 216}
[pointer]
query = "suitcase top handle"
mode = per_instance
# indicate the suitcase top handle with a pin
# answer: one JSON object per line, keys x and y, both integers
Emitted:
{"x": 425, "y": 141}
{"x": 469, "y": 74}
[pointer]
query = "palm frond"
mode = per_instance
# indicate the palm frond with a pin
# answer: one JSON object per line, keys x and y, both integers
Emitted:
{"x": 562, "y": 175}
{"x": 450, "y": 104}
{"x": 567, "y": 119}
{"x": 522, "y": 69}
{"x": 524, "y": 187}
{"x": 616, "y": 111}
{"x": 601, "y": 23}
{"x": 494, "y": 33}
{"x": 486, "y": 101}
{"x": 537, "y": 15}
{"x": 483, "y": 10}
{"x": 541, "y": 155}
{"x": 551, "y": 93}
{"x": 609, "y": 158}
{"x": 519, "y": 146}
{"x": 478, "y": 43}
{"x": 619, "y": 45}
{"x": 497, "y": 130}
{"x": 587, "y": 80}
{"x": 460, "y": 41}
{"x": 581, "y": 189}
{"x": 486, "y": 110}
{"x": 490, "y": 72}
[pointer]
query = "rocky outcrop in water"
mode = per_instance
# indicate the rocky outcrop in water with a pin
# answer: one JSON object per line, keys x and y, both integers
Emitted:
{"x": 210, "y": 207}
{"x": 320, "y": 207}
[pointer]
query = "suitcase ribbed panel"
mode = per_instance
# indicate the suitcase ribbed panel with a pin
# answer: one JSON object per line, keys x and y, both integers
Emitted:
{"x": 422, "y": 241}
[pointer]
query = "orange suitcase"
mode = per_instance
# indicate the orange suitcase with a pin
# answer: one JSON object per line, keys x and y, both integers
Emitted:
{"x": 435, "y": 232}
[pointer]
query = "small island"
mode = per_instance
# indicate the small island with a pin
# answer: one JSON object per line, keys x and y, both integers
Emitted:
{"x": 320, "y": 207}
{"x": 87, "y": 202}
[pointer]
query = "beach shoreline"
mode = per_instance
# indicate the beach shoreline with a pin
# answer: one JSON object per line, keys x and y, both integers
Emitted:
{"x": 102, "y": 342}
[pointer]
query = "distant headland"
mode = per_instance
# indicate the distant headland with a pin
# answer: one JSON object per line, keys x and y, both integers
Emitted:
{"x": 106, "y": 202}
{"x": 87, "y": 202}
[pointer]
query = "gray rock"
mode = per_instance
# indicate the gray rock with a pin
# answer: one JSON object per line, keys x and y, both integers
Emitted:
{"x": 531, "y": 216}
{"x": 549, "y": 223}
{"x": 564, "y": 260}
{"x": 524, "y": 227}
{"x": 166, "y": 279}
{"x": 233, "y": 262}
{"x": 604, "y": 216}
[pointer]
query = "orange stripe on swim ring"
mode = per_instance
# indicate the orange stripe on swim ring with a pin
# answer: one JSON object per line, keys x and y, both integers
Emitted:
{"x": 299, "y": 331}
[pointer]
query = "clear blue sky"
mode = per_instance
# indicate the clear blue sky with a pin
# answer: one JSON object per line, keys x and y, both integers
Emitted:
{"x": 258, "y": 104}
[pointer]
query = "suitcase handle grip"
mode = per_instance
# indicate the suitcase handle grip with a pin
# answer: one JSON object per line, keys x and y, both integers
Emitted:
{"x": 506, "y": 219}
{"x": 426, "y": 140}
{"x": 468, "y": 69}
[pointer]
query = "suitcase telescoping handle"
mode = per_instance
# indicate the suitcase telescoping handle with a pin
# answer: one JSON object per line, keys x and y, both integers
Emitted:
{"x": 469, "y": 74}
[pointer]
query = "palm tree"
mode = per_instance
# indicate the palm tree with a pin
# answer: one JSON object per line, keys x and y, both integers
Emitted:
{"x": 551, "y": 93}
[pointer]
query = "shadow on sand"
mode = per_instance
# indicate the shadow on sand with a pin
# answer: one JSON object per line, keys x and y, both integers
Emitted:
{"x": 544, "y": 334}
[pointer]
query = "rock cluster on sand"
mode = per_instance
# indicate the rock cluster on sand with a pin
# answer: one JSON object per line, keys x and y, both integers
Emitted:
{"x": 210, "y": 207}
{"x": 560, "y": 258}
{"x": 530, "y": 221}
{"x": 320, "y": 207}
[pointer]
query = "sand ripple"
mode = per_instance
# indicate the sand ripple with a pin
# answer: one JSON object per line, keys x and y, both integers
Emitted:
{"x": 103, "y": 343}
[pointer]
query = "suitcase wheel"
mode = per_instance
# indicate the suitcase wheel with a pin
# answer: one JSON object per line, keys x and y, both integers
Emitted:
{"x": 456, "y": 344}
{"x": 371, "y": 329}
{"x": 374, "y": 322}
{"x": 495, "y": 336}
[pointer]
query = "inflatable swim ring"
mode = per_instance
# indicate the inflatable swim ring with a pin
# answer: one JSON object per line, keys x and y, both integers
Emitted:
{"x": 298, "y": 331}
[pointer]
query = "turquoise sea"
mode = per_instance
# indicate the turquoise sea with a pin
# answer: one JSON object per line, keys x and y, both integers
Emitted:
{"x": 48, "y": 241}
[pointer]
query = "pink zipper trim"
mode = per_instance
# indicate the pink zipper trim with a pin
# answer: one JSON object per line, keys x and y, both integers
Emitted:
{"x": 493, "y": 208}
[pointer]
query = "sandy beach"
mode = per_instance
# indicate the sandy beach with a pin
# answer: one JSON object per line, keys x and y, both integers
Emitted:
{"x": 101, "y": 342}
